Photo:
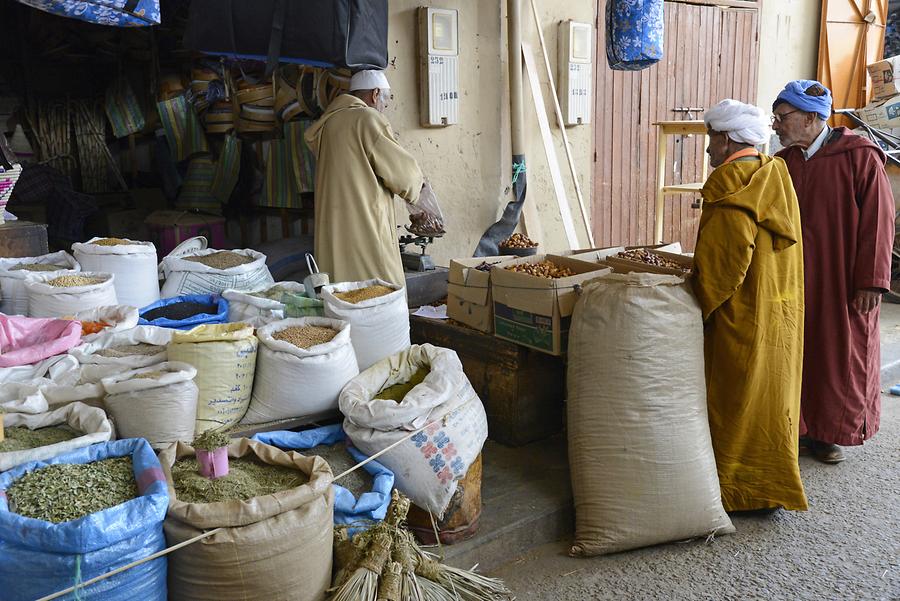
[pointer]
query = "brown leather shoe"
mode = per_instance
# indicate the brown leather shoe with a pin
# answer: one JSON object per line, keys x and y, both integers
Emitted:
{"x": 805, "y": 446}
{"x": 826, "y": 452}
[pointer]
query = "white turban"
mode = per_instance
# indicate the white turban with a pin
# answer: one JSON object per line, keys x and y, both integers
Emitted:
{"x": 744, "y": 123}
{"x": 369, "y": 80}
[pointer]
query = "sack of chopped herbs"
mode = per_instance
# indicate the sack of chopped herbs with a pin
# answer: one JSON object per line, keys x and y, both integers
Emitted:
{"x": 54, "y": 295}
{"x": 212, "y": 271}
{"x": 45, "y": 435}
{"x": 273, "y": 303}
{"x": 13, "y": 296}
{"x": 380, "y": 320}
{"x": 311, "y": 355}
{"x": 40, "y": 557}
{"x": 274, "y": 541}
{"x": 158, "y": 403}
{"x": 445, "y": 400}
{"x": 361, "y": 496}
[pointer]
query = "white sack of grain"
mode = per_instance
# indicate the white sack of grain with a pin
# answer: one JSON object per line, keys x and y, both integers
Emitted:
{"x": 294, "y": 382}
{"x": 161, "y": 409}
{"x": 13, "y": 296}
{"x": 380, "y": 325}
{"x": 190, "y": 277}
{"x": 133, "y": 264}
{"x": 642, "y": 465}
{"x": 45, "y": 300}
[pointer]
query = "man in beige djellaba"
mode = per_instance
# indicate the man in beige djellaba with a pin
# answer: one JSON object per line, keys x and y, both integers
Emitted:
{"x": 360, "y": 167}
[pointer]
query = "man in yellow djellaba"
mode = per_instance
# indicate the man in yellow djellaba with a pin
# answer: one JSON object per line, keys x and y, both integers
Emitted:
{"x": 748, "y": 277}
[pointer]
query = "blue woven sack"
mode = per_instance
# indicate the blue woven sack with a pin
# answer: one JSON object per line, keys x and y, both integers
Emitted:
{"x": 634, "y": 34}
{"x": 371, "y": 506}
{"x": 38, "y": 558}
{"x": 220, "y": 316}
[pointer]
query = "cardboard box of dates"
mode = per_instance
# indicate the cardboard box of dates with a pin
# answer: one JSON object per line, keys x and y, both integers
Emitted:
{"x": 646, "y": 260}
{"x": 469, "y": 299}
{"x": 534, "y": 308}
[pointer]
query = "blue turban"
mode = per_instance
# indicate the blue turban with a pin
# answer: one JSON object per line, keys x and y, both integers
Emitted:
{"x": 794, "y": 93}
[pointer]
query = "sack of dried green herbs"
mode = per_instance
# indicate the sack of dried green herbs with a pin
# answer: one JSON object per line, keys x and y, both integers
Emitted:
{"x": 275, "y": 509}
{"x": 96, "y": 509}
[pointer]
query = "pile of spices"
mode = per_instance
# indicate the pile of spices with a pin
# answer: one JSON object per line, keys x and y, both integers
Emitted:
{"x": 38, "y": 267}
{"x": 93, "y": 327}
{"x": 305, "y": 336}
{"x": 129, "y": 350}
{"x": 247, "y": 478}
{"x": 544, "y": 269}
{"x": 398, "y": 392}
{"x": 71, "y": 281}
{"x": 179, "y": 311}
{"x": 642, "y": 255}
{"x": 112, "y": 242}
{"x": 336, "y": 455}
{"x": 211, "y": 440}
{"x": 363, "y": 294}
{"x": 68, "y": 491}
{"x": 223, "y": 259}
{"x": 518, "y": 241}
{"x": 20, "y": 438}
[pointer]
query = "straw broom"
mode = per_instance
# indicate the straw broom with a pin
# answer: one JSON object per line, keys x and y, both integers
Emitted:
{"x": 362, "y": 585}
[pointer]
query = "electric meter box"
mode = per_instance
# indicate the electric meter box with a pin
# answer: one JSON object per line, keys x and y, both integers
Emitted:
{"x": 438, "y": 66}
{"x": 575, "y": 66}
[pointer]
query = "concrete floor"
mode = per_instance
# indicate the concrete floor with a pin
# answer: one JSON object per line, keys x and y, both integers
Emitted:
{"x": 846, "y": 547}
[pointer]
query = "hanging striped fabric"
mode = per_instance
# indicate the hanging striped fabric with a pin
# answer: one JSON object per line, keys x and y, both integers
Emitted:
{"x": 122, "y": 109}
{"x": 196, "y": 191}
{"x": 280, "y": 188}
{"x": 302, "y": 158}
{"x": 183, "y": 129}
{"x": 228, "y": 168}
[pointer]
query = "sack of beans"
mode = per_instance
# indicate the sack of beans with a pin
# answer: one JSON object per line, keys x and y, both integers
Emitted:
{"x": 158, "y": 403}
{"x": 275, "y": 511}
{"x": 46, "y": 547}
{"x": 185, "y": 312}
{"x": 421, "y": 387}
{"x": 13, "y": 296}
{"x": 133, "y": 263}
{"x": 283, "y": 300}
{"x": 211, "y": 271}
{"x": 302, "y": 366}
{"x": 103, "y": 320}
{"x": 378, "y": 313}
{"x": 27, "y": 341}
{"x": 45, "y": 435}
{"x": 225, "y": 358}
{"x": 642, "y": 465}
{"x": 364, "y": 494}
{"x": 57, "y": 295}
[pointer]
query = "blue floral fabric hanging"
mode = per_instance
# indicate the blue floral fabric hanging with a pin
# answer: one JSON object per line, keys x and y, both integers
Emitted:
{"x": 634, "y": 33}
{"x": 118, "y": 13}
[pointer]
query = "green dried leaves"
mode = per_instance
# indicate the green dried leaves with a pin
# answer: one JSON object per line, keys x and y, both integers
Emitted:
{"x": 247, "y": 478}
{"x": 211, "y": 440}
{"x": 20, "y": 438}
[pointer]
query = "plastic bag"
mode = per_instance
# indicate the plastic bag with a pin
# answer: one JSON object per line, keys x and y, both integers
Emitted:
{"x": 26, "y": 341}
{"x": 41, "y": 558}
{"x": 259, "y": 311}
{"x": 370, "y": 506}
{"x": 220, "y": 316}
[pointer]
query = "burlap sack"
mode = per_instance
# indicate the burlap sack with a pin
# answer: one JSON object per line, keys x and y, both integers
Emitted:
{"x": 276, "y": 547}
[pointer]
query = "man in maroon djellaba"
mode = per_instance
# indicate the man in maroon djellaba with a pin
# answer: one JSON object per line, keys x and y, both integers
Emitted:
{"x": 847, "y": 218}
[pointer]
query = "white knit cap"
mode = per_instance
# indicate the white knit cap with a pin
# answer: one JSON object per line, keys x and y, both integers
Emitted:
{"x": 743, "y": 123}
{"x": 369, "y": 80}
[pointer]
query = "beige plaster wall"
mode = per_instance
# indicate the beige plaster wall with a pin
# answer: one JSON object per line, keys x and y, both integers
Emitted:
{"x": 469, "y": 163}
{"x": 788, "y": 45}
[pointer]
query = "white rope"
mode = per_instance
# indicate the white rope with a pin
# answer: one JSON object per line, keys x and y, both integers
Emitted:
{"x": 209, "y": 533}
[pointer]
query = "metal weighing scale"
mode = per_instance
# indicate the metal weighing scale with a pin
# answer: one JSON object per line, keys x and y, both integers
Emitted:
{"x": 416, "y": 261}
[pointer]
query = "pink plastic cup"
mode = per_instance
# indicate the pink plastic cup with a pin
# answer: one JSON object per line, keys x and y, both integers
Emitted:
{"x": 213, "y": 464}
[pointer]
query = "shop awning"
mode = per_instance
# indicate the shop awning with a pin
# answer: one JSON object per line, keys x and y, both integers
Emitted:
{"x": 117, "y": 13}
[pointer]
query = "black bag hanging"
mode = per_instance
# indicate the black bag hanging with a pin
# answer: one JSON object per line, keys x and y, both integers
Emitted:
{"x": 340, "y": 33}
{"x": 634, "y": 34}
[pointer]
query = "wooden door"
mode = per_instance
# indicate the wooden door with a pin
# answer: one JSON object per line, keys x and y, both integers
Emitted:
{"x": 851, "y": 37}
{"x": 711, "y": 54}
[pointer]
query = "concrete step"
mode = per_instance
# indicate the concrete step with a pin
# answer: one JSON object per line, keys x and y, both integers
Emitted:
{"x": 526, "y": 502}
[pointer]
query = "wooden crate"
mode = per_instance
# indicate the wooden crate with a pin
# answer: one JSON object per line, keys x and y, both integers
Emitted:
{"x": 522, "y": 389}
{"x": 23, "y": 239}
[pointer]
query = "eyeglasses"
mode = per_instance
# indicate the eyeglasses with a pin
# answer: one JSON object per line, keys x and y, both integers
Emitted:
{"x": 776, "y": 118}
